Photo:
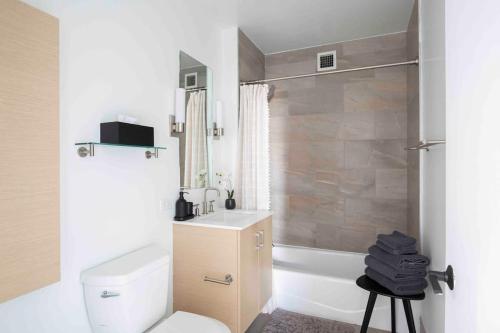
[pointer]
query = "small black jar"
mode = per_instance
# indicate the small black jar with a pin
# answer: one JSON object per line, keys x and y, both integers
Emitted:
{"x": 230, "y": 204}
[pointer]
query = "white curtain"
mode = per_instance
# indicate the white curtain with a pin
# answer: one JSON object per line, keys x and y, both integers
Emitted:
{"x": 196, "y": 159}
{"x": 252, "y": 180}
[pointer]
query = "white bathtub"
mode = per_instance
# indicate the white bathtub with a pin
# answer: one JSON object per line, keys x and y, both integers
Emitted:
{"x": 322, "y": 283}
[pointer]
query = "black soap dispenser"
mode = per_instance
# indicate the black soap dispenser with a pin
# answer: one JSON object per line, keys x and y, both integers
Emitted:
{"x": 181, "y": 208}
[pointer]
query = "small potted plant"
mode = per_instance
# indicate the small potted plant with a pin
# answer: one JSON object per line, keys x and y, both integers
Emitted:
{"x": 201, "y": 178}
{"x": 225, "y": 181}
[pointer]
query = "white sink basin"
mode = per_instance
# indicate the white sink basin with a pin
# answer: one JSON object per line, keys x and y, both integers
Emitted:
{"x": 228, "y": 216}
{"x": 229, "y": 219}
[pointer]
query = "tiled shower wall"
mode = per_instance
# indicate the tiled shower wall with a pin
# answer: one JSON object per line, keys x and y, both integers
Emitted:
{"x": 251, "y": 61}
{"x": 339, "y": 168}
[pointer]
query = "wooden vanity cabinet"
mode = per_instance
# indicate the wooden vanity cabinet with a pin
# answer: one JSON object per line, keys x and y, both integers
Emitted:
{"x": 214, "y": 253}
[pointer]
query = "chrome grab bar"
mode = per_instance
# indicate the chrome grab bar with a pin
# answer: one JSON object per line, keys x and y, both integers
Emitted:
{"x": 227, "y": 280}
{"x": 446, "y": 276}
{"x": 426, "y": 144}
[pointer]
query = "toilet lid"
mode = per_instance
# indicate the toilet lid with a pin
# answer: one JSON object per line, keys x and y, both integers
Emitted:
{"x": 185, "y": 322}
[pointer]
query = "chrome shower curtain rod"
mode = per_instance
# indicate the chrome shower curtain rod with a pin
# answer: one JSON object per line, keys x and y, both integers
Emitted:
{"x": 195, "y": 89}
{"x": 411, "y": 62}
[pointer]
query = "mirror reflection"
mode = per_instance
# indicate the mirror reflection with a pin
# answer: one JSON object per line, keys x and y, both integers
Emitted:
{"x": 195, "y": 143}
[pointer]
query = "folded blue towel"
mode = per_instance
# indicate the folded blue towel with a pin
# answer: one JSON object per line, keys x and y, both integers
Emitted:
{"x": 391, "y": 273}
{"x": 412, "y": 287}
{"x": 397, "y": 243}
{"x": 406, "y": 262}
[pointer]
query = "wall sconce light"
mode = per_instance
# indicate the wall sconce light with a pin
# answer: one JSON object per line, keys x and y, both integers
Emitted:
{"x": 218, "y": 124}
{"x": 178, "y": 120}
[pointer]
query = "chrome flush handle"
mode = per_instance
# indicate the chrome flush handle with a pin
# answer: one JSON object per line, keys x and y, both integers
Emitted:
{"x": 108, "y": 294}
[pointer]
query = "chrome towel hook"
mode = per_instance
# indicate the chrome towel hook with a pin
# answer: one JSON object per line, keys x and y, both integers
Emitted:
{"x": 424, "y": 145}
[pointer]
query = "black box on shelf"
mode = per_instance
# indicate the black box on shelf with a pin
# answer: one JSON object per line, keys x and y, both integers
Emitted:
{"x": 127, "y": 134}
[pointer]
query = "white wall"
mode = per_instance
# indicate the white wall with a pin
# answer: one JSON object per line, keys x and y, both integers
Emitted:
{"x": 225, "y": 148}
{"x": 433, "y": 164}
{"x": 118, "y": 57}
{"x": 473, "y": 164}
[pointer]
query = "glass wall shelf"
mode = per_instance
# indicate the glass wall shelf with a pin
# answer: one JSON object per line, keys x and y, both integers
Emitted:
{"x": 87, "y": 148}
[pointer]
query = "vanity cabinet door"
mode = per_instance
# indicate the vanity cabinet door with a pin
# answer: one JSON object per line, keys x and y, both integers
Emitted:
{"x": 249, "y": 276}
{"x": 206, "y": 252}
{"x": 265, "y": 261}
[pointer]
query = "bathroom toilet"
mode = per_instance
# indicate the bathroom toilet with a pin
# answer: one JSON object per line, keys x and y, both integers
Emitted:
{"x": 129, "y": 295}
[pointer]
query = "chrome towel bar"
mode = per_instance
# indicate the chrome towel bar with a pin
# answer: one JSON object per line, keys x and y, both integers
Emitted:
{"x": 227, "y": 280}
{"x": 426, "y": 144}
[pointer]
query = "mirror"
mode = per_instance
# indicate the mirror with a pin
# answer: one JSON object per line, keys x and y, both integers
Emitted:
{"x": 195, "y": 144}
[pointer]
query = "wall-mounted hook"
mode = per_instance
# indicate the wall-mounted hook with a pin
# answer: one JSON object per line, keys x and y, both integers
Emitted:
{"x": 446, "y": 276}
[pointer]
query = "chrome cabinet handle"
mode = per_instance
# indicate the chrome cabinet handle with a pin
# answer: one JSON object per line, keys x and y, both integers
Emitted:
{"x": 108, "y": 294}
{"x": 261, "y": 244}
{"x": 227, "y": 280}
{"x": 257, "y": 240}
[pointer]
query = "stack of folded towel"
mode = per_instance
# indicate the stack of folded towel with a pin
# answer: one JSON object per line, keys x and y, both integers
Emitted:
{"x": 395, "y": 264}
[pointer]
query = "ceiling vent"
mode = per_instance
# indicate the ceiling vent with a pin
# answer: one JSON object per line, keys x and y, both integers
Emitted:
{"x": 327, "y": 61}
{"x": 191, "y": 80}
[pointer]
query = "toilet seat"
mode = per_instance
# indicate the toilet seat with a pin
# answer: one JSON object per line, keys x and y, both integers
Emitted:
{"x": 185, "y": 322}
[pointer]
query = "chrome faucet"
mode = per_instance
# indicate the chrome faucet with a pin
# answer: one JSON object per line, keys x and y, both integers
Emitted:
{"x": 205, "y": 204}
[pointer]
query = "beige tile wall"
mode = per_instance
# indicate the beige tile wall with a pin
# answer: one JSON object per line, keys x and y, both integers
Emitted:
{"x": 339, "y": 168}
{"x": 250, "y": 59}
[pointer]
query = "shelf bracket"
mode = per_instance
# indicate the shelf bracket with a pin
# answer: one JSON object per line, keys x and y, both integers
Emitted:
{"x": 87, "y": 149}
{"x": 84, "y": 151}
{"x": 150, "y": 154}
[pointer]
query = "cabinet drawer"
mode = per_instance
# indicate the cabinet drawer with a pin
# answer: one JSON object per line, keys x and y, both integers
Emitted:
{"x": 206, "y": 252}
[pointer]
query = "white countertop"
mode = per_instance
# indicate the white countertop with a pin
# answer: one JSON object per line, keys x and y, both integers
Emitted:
{"x": 236, "y": 219}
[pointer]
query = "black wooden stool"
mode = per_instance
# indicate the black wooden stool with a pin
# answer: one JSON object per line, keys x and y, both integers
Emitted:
{"x": 376, "y": 289}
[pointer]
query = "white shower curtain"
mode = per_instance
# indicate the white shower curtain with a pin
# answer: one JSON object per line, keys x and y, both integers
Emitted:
{"x": 196, "y": 159}
{"x": 252, "y": 180}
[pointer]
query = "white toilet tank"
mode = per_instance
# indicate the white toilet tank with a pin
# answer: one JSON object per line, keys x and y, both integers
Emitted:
{"x": 127, "y": 294}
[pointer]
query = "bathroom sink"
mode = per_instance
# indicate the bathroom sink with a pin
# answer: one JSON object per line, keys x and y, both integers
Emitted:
{"x": 228, "y": 215}
{"x": 230, "y": 219}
